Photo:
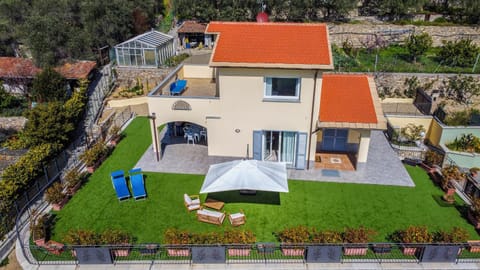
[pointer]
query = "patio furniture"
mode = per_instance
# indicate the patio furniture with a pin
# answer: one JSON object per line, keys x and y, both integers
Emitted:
{"x": 210, "y": 216}
{"x": 120, "y": 185}
{"x": 191, "y": 202}
{"x": 190, "y": 138}
{"x": 203, "y": 134}
{"x": 177, "y": 87}
{"x": 214, "y": 204}
{"x": 237, "y": 219}
{"x": 137, "y": 183}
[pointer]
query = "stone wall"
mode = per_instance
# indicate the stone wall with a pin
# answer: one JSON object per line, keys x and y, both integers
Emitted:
{"x": 12, "y": 123}
{"x": 127, "y": 77}
{"x": 357, "y": 33}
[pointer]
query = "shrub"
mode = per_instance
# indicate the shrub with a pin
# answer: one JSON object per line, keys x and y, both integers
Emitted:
{"x": 177, "y": 237}
{"x": 299, "y": 234}
{"x": 433, "y": 158}
{"x": 326, "y": 236}
{"x": 115, "y": 237}
{"x": 466, "y": 143}
{"x": 206, "y": 238}
{"x": 54, "y": 194}
{"x": 455, "y": 235}
{"x": 358, "y": 235}
{"x": 413, "y": 234}
{"x": 94, "y": 154}
{"x": 239, "y": 237}
{"x": 175, "y": 60}
{"x": 81, "y": 237}
{"x": 460, "y": 53}
{"x": 73, "y": 177}
{"x": 40, "y": 227}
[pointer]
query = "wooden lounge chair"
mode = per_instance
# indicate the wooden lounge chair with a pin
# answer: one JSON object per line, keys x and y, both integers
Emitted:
{"x": 237, "y": 219}
{"x": 191, "y": 202}
{"x": 210, "y": 216}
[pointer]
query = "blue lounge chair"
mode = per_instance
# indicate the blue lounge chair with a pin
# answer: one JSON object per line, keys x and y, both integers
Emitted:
{"x": 136, "y": 181}
{"x": 177, "y": 87}
{"x": 120, "y": 185}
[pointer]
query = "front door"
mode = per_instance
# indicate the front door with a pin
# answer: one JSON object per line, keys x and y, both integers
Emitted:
{"x": 335, "y": 140}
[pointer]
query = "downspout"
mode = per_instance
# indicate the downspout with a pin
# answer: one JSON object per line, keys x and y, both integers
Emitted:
{"x": 311, "y": 119}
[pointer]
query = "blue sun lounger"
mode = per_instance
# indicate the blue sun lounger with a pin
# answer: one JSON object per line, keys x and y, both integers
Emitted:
{"x": 136, "y": 181}
{"x": 120, "y": 185}
{"x": 177, "y": 87}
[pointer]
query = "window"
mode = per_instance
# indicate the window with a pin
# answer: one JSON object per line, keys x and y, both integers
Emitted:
{"x": 279, "y": 146}
{"x": 282, "y": 88}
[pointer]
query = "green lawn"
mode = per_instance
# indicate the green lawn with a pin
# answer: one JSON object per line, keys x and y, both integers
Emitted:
{"x": 314, "y": 204}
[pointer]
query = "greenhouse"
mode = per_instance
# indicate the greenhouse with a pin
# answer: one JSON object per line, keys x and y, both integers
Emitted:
{"x": 148, "y": 50}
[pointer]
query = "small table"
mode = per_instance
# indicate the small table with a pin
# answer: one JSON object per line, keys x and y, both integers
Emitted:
{"x": 214, "y": 204}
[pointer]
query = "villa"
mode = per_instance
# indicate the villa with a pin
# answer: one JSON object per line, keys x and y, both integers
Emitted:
{"x": 266, "y": 93}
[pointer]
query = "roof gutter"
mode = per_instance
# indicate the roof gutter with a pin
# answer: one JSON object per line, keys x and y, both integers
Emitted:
{"x": 311, "y": 118}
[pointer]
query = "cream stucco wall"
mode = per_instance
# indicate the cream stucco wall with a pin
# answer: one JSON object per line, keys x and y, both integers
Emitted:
{"x": 198, "y": 71}
{"x": 363, "y": 145}
{"x": 403, "y": 121}
{"x": 241, "y": 109}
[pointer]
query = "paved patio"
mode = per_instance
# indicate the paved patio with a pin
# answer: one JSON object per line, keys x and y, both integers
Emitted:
{"x": 383, "y": 167}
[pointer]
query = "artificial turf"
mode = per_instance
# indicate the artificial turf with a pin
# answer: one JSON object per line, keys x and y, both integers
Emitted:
{"x": 314, "y": 204}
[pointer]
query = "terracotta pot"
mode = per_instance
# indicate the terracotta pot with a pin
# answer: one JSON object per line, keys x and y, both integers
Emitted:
{"x": 60, "y": 205}
{"x": 90, "y": 169}
{"x": 239, "y": 251}
{"x": 40, "y": 242}
{"x": 474, "y": 246}
{"x": 410, "y": 251}
{"x": 121, "y": 252}
{"x": 293, "y": 251}
{"x": 355, "y": 251}
{"x": 178, "y": 252}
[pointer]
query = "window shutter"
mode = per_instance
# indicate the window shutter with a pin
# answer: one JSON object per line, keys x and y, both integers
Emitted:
{"x": 301, "y": 150}
{"x": 257, "y": 144}
{"x": 268, "y": 87}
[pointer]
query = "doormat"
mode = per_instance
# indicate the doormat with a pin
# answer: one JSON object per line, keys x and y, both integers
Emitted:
{"x": 331, "y": 173}
{"x": 335, "y": 160}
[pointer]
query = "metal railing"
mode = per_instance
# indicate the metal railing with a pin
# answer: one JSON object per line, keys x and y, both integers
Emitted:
{"x": 260, "y": 253}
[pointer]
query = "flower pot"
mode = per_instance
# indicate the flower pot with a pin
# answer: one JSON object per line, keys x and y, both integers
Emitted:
{"x": 73, "y": 190}
{"x": 91, "y": 169}
{"x": 60, "y": 205}
{"x": 355, "y": 251}
{"x": 239, "y": 251}
{"x": 409, "y": 251}
{"x": 40, "y": 242}
{"x": 474, "y": 246}
{"x": 123, "y": 252}
{"x": 178, "y": 252}
{"x": 293, "y": 251}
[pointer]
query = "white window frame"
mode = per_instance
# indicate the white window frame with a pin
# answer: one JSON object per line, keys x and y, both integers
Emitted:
{"x": 280, "y": 98}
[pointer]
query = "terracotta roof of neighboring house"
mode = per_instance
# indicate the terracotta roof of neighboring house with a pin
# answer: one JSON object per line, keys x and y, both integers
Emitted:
{"x": 348, "y": 99}
{"x": 76, "y": 70}
{"x": 192, "y": 27}
{"x": 16, "y": 67}
{"x": 279, "y": 45}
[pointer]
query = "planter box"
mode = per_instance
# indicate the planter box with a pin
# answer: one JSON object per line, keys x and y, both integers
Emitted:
{"x": 409, "y": 251}
{"x": 121, "y": 252}
{"x": 73, "y": 190}
{"x": 178, "y": 252}
{"x": 40, "y": 242}
{"x": 239, "y": 251}
{"x": 355, "y": 251}
{"x": 382, "y": 248}
{"x": 293, "y": 251}
{"x": 60, "y": 205}
{"x": 474, "y": 246}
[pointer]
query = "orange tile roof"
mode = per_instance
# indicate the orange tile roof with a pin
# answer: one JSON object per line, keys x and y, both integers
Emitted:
{"x": 192, "y": 27}
{"x": 76, "y": 70}
{"x": 346, "y": 98}
{"x": 16, "y": 67}
{"x": 284, "y": 45}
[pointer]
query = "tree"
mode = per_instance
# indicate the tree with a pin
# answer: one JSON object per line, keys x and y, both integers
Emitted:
{"x": 460, "y": 53}
{"x": 462, "y": 89}
{"x": 391, "y": 10}
{"x": 49, "y": 85}
{"x": 417, "y": 45}
{"x": 10, "y": 104}
{"x": 47, "y": 123}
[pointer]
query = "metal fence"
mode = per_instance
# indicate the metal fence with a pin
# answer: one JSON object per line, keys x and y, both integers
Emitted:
{"x": 260, "y": 253}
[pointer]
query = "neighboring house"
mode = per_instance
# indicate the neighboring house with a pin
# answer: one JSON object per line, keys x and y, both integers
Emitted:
{"x": 264, "y": 95}
{"x": 148, "y": 50}
{"x": 191, "y": 34}
{"x": 17, "y": 73}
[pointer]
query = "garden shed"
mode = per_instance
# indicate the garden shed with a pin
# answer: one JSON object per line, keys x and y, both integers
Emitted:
{"x": 148, "y": 50}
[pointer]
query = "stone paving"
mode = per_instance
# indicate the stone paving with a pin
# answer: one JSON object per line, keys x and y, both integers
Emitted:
{"x": 383, "y": 167}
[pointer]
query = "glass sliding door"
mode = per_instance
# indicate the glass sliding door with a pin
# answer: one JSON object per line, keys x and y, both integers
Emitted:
{"x": 279, "y": 146}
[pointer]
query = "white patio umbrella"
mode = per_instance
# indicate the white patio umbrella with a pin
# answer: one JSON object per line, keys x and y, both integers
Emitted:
{"x": 246, "y": 175}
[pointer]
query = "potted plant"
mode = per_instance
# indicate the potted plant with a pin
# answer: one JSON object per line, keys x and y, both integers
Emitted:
{"x": 93, "y": 157}
{"x": 175, "y": 238}
{"x": 473, "y": 213}
{"x": 291, "y": 238}
{"x": 451, "y": 173}
{"x": 81, "y": 238}
{"x": 474, "y": 171}
{"x": 39, "y": 229}
{"x": 412, "y": 235}
{"x": 241, "y": 241}
{"x": 117, "y": 238}
{"x": 115, "y": 135}
{"x": 55, "y": 196}
{"x": 73, "y": 180}
{"x": 326, "y": 237}
{"x": 358, "y": 237}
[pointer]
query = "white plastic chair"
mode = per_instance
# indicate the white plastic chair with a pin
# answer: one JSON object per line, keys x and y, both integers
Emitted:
{"x": 203, "y": 134}
{"x": 190, "y": 138}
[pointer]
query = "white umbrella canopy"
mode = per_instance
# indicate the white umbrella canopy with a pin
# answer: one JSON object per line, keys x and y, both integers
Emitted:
{"x": 246, "y": 175}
